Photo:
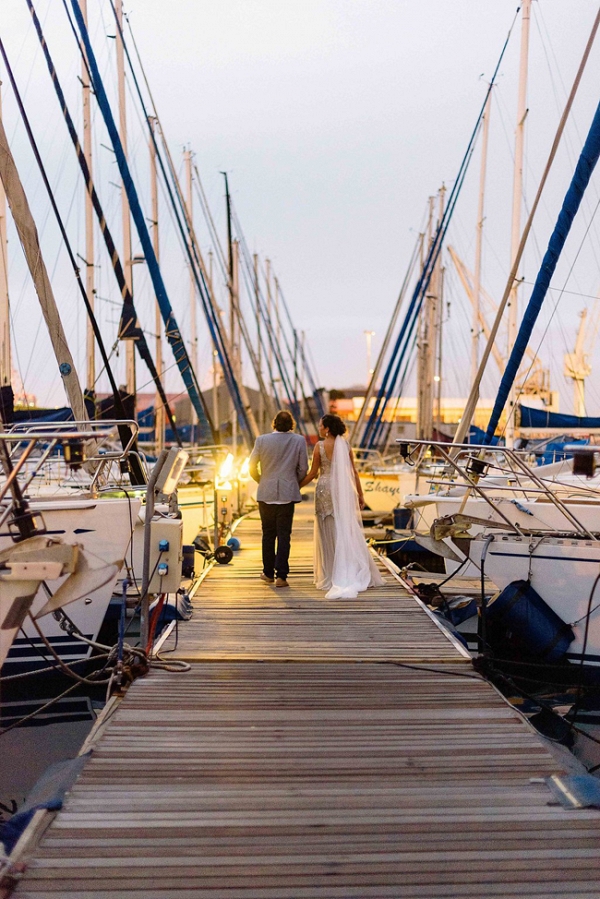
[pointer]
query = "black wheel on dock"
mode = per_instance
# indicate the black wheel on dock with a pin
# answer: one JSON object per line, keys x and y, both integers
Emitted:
{"x": 223, "y": 554}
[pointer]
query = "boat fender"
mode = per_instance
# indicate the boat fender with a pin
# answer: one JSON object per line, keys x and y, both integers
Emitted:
{"x": 528, "y": 623}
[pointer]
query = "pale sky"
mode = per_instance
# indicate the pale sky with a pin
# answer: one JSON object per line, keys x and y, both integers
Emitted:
{"x": 336, "y": 119}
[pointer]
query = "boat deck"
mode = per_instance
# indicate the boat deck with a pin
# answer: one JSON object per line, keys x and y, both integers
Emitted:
{"x": 315, "y": 750}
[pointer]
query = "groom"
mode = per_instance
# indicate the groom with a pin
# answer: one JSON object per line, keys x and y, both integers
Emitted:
{"x": 283, "y": 462}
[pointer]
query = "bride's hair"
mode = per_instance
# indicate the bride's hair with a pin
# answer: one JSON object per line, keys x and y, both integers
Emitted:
{"x": 334, "y": 423}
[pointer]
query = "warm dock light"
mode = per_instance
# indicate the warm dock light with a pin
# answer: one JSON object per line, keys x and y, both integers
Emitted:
{"x": 226, "y": 467}
{"x": 245, "y": 469}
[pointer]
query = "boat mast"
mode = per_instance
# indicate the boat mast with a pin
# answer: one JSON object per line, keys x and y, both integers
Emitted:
{"x": 513, "y": 312}
{"x": 159, "y": 411}
{"x": 261, "y": 397}
{"x": 269, "y": 309}
{"x": 90, "y": 288}
{"x": 231, "y": 267}
{"x": 426, "y": 353}
{"x": 437, "y": 313}
{"x": 302, "y": 373}
{"x": 215, "y": 352}
{"x": 476, "y": 326}
{"x": 277, "y": 313}
{"x": 5, "y": 349}
{"x": 187, "y": 156}
{"x": 28, "y": 236}
{"x": 236, "y": 356}
{"x": 125, "y": 214}
{"x": 437, "y": 378}
{"x": 296, "y": 381}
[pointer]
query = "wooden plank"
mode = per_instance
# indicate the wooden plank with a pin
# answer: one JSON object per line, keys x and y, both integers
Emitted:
{"x": 238, "y": 616}
{"x": 325, "y": 764}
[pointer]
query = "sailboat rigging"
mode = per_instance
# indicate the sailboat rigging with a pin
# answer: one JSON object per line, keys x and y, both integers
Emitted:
{"x": 172, "y": 331}
{"x": 129, "y": 320}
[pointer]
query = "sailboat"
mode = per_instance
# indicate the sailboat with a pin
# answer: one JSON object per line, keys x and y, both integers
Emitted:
{"x": 95, "y": 536}
{"x": 54, "y": 553}
{"x": 548, "y": 576}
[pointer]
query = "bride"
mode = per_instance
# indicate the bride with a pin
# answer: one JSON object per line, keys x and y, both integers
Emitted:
{"x": 343, "y": 564}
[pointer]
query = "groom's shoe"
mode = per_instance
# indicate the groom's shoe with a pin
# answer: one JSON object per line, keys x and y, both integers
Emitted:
{"x": 281, "y": 582}
{"x": 267, "y": 580}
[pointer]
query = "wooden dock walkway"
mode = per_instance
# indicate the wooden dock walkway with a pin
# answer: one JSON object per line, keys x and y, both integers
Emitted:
{"x": 303, "y": 758}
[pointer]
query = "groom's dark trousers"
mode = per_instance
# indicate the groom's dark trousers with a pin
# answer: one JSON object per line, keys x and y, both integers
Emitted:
{"x": 276, "y": 519}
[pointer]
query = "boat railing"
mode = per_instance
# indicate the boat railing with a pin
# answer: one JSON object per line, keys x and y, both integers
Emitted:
{"x": 17, "y": 478}
{"x": 30, "y": 448}
{"x": 104, "y": 432}
{"x": 368, "y": 458}
{"x": 472, "y": 463}
{"x": 575, "y": 492}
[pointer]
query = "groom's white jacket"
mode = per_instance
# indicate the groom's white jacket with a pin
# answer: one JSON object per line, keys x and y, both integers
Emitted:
{"x": 283, "y": 463}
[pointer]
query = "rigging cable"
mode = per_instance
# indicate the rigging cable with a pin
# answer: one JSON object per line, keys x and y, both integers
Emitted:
{"x": 172, "y": 332}
{"x": 129, "y": 316}
{"x": 274, "y": 346}
{"x": 527, "y": 374}
{"x": 411, "y": 314}
{"x": 305, "y": 362}
{"x": 293, "y": 354}
{"x": 190, "y": 244}
{"x": 572, "y": 201}
{"x": 136, "y": 470}
{"x": 270, "y": 351}
{"x": 371, "y": 387}
{"x": 474, "y": 394}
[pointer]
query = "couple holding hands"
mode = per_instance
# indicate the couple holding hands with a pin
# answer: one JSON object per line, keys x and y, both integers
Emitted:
{"x": 343, "y": 565}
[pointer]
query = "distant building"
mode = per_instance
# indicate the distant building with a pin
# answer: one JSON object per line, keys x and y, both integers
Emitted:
{"x": 181, "y": 405}
{"x": 347, "y": 403}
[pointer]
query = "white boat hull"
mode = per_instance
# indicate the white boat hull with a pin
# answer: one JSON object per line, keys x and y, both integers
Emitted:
{"x": 103, "y": 528}
{"x": 383, "y": 492}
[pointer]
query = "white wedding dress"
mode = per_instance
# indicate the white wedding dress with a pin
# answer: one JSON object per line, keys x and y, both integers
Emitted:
{"x": 343, "y": 564}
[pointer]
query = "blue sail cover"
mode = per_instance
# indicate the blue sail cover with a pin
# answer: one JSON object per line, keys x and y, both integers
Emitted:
{"x": 583, "y": 172}
{"x": 541, "y": 418}
{"x": 476, "y": 436}
{"x": 43, "y": 416}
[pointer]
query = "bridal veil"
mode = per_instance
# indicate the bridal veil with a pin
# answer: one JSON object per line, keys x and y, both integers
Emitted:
{"x": 353, "y": 568}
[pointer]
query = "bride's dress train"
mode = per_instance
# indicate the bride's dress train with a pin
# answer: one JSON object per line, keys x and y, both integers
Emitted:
{"x": 343, "y": 564}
